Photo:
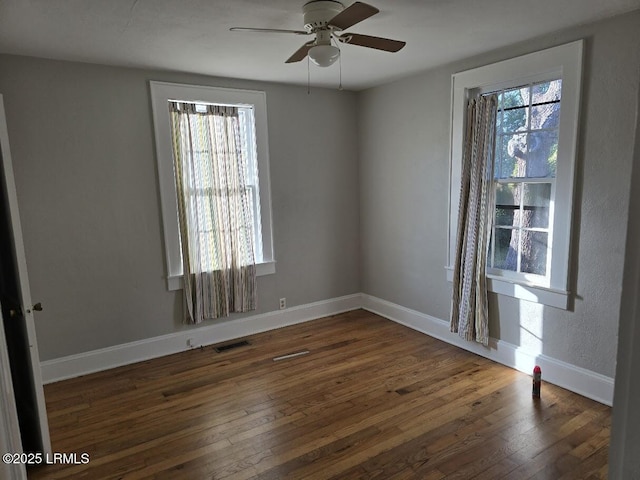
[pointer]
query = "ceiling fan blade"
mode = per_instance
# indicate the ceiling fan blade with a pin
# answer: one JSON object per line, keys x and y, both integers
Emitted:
{"x": 353, "y": 14}
{"x": 300, "y": 53}
{"x": 268, "y": 30}
{"x": 378, "y": 43}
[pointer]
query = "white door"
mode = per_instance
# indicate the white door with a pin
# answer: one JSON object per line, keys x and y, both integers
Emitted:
{"x": 19, "y": 317}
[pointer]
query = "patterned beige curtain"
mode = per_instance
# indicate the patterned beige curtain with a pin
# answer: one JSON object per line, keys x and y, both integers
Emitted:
{"x": 215, "y": 211}
{"x": 469, "y": 312}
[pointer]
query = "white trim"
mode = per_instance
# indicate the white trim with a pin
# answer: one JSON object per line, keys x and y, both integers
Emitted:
{"x": 564, "y": 61}
{"x": 221, "y": 331}
{"x": 523, "y": 291}
{"x": 579, "y": 380}
{"x": 161, "y": 93}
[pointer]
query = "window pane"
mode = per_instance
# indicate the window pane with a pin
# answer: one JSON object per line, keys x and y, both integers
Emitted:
{"x": 546, "y": 91}
{"x": 515, "y": 162}
{"x": 545, "y": 116}
{"x": 247, "y": 138}
{"x": 518, "y": 97}
{"x": 505, "y": 254}
{"x": 536, "y": 205}
{"x": 506, "y": 203}
{"x": 515, "y": 119}
{"x": 505, "y": 163}
{"x": 542, "y": 154}
{"x": 534, "y": 252}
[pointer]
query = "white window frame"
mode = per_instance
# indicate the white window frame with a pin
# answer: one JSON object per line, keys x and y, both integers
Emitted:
{"x": 161, "y": 94}
{"x": 565, "y": 62}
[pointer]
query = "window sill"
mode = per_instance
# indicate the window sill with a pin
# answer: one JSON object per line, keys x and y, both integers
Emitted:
{"x": 532, "y": 293}
{"x": 174, "y": 282}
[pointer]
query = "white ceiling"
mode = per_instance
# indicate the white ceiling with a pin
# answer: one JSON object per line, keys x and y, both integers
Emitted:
{"x": 193, "y": 35}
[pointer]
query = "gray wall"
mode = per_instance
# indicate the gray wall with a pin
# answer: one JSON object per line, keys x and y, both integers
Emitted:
{"x": 83, "y": 153}
{"x": 404, "y": 166}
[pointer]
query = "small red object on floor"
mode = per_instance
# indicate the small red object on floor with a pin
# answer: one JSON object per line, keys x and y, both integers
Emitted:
{"x": 537, "y": 381}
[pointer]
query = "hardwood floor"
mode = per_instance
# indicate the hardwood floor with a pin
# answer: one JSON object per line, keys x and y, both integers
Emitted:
{"x": 372, "y": 400}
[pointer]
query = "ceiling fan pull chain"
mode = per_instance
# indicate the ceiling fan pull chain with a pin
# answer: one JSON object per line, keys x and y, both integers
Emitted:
{"x": 340, "y": 86}
{"x": 308, "y": 77}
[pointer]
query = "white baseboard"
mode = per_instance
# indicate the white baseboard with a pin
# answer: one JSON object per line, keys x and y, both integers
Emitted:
{"x": 579, "y": 380}
{"x": 225, "y": 330}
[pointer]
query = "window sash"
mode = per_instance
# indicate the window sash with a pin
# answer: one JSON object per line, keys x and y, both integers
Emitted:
{"x": 521, "y": 207}
{"x": 195, "y": 194}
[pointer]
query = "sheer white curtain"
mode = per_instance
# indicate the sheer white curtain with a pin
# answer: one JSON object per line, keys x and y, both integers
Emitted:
{"x": 215, "y": 211}
{"x": 469, "y": 312}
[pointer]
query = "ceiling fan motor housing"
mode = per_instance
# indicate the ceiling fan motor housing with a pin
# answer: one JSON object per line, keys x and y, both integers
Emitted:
{"x": 318, "y": 13}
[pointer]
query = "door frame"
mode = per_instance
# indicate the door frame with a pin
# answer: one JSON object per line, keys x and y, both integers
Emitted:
{"x": 23, "y": 280}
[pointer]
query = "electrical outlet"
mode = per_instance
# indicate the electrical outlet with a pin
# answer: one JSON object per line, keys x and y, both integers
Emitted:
{"x": 283, "y": 303}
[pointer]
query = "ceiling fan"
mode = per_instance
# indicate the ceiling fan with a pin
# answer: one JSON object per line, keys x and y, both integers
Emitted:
{"x": 325, "y": 19}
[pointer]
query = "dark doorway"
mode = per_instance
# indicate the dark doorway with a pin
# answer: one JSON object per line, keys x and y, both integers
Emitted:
{"x": 16, "y": 331}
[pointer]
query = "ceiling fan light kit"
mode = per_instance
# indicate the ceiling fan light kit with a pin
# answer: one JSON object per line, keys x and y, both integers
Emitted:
{"x": 324, "y": 55}
{"x": 325, "y": 19}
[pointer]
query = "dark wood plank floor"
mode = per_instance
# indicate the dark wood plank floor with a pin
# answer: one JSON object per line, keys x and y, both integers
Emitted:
{"x": 372, "y": 400}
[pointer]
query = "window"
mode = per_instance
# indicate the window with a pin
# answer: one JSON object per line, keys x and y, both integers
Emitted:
{"x": 524, "y": 180}
{"x": 251, "y": 109}
{"x": 536, "y": 134}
